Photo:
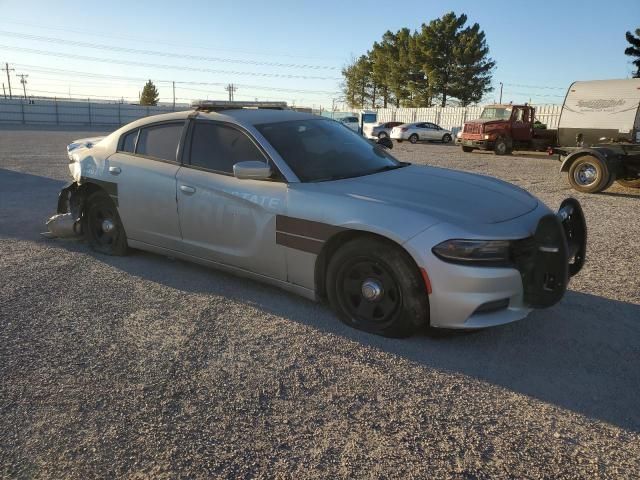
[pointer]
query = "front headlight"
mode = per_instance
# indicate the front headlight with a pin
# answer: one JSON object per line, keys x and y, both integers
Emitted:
{"x": 494, "y": 253}
{"x": 459, "y": 134}
{"x": 487, "y": 136}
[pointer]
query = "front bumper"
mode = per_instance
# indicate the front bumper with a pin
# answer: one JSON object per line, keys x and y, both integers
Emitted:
{"x": 469, "y": 297}
{"x": 479, "y": 144}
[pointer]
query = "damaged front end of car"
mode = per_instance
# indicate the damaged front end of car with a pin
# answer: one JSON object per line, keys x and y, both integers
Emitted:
{"x": 67, "y": 222}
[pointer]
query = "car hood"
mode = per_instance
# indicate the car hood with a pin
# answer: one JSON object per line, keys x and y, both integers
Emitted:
{"x": 485, "y": 121}
{"x": 446, "y": 195}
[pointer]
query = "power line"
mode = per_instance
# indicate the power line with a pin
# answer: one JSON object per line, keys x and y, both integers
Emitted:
{"x": 162, "y": 66}
{"x": 162, "y": 54}
{"x": 93, "y": 33}
{"x": 74, "y": 73}
{"x": 542, "y": 87}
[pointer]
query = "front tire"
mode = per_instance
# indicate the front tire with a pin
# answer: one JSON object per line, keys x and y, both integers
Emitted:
{"x": 589, "y": 174}
{"x": 102, "y": 226}
{"x": 467, "y": 149}
{"x": 382, "y": 135}
{"x": 376, "y": 287}
{"x": 413, "y": 138}
{"x": 502, "y": 147}
{"x": 446, "y": 138}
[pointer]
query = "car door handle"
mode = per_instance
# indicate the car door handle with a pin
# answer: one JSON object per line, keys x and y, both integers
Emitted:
{"x": 187, "y": 189}
{"x": 114, "y": 170}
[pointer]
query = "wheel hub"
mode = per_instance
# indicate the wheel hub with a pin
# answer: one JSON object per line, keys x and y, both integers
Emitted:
{"x": 586, "y": 174}
{"x": 372, "y": 290}
{"x": 107, "y": 225}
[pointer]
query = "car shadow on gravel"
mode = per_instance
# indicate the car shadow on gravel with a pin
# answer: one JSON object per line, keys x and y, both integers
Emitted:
{"x": 582, "y": 354}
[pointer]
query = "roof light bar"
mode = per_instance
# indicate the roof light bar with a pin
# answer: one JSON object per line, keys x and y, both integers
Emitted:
{"x": 214, "y": 105}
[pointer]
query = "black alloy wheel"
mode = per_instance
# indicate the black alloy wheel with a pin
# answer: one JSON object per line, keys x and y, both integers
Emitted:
{"x": 376, "y": 286}
{"x": 368, "y": 292}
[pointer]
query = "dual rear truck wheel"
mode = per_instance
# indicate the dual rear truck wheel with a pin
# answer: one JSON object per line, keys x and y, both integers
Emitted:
{"x": 588, "y": 174}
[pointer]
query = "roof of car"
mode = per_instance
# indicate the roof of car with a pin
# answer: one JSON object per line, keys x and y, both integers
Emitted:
{"x": 260, "y": 116}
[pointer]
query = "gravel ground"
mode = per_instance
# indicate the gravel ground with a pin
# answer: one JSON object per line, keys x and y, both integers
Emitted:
{"x": 144, "y": 366}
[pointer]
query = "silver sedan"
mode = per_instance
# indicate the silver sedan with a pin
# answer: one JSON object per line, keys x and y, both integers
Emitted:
{"x": 300, "y": 202}
{"x": 418, "y": 131}
{"x": 378, "y": 129}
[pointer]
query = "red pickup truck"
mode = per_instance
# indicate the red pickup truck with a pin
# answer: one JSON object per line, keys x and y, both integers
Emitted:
{"x": 503, "y": 128}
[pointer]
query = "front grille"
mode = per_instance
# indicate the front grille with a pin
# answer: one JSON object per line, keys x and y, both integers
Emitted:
{"x": 474, "y": 128}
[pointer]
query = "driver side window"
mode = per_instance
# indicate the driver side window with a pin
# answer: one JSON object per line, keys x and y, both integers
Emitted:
{"x": 219, "y": 147}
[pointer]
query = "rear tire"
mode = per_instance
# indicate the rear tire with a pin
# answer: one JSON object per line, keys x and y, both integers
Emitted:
{"x": 102, "y": 226}
{"x": 376, "y": 287}
{"x": 413, "y": 138}
{"x": 589, "y": 174}
{"x": 382, "y": 135}
{"x": 630, "y": 183}
{"x": 467, "y": 149}
{"x": 446, "y": 138}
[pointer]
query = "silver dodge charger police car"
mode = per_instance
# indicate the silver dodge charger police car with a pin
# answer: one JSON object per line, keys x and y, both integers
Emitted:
{"x": 300, "y": 202}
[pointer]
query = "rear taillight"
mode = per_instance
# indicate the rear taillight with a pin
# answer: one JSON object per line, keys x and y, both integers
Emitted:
{"x": 403, "y": 129}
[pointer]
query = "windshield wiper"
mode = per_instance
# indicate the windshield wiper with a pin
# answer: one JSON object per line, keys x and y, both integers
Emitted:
{"x": 386, "y": 168}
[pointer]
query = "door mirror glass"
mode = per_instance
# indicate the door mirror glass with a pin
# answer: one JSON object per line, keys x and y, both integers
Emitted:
{"x": 252, "y": 169}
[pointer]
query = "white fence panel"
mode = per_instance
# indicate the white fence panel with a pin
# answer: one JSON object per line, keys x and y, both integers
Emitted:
{"x": 69, "y": 112}
{"x": 453, "y": 118}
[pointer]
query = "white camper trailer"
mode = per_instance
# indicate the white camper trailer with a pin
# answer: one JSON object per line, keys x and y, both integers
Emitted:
{"x": 599, "y": 134}
{"x": 600, "y": 109}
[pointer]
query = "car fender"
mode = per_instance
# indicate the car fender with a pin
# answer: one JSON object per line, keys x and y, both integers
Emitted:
{"x": 604, "y": 154}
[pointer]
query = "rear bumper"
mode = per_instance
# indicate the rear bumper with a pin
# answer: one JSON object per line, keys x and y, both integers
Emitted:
{"x": 469, "y": 297}
{"x": 399, "y": 135}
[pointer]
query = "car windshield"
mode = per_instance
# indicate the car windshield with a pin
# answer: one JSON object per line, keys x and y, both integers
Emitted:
{"x": 496, "y": 113}
{"x": 320, "y": 150}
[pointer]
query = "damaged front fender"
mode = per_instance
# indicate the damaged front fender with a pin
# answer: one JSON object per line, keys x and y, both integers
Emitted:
{"x": 67, "y": 222}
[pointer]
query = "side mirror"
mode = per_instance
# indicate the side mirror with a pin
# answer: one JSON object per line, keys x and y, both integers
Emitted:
{"x": 385, "y": 142}
{"x": 252, "y": 169}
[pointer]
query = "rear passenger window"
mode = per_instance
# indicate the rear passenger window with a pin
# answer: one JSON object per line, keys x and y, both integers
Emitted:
{"x": 128, "y": 143}
{"x": 218, "y": 147}
{"x": 160, "y": 141}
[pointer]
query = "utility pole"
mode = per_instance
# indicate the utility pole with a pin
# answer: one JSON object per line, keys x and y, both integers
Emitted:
{"x": 4, "y": 92}
{"x": 500, "y": 93}
{"x": 231, "y": 88}
{"x": 7, "y": 69}
{"x": 24, "y": 83}
{"x": 174, "y": 96}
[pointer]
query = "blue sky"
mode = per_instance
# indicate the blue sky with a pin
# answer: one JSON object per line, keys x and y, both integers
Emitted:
{"x": 293, "y": 50}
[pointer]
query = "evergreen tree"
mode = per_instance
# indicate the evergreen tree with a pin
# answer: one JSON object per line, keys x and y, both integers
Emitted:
{"x": 455, "y": 59}
{"x": 472, "y": 72}
{"x": 358, "y": 82}
{"x": 634, "y": 50}
{"x": 150, "y": 95}
{"x": 445, "y": 60}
